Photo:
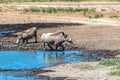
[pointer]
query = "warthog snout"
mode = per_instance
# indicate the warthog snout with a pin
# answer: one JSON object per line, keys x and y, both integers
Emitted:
{"x": 70, "y": 40}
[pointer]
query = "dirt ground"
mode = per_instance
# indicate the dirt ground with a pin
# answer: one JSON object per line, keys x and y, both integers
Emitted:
{"x": 89, "y": 34}
{"x": 73, "y": 71}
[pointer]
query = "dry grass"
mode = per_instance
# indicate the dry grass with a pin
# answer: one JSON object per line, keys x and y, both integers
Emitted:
{"x": 54, "y": 0}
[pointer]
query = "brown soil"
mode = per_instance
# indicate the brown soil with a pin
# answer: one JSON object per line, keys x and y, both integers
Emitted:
{"x": 90, "y": 34}
{"x": 73, "y": 71}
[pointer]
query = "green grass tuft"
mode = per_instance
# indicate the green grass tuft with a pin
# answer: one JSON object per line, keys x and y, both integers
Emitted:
{"x": 114, "y": 16}
{"x": 114, "y": 73}
{"x": 32, "y": 9}
{"x": 96, "y": 16}
{"x": 50, "y": 10}
{"x": 103, "y": 9}
{"x": 85, "y": 67}
{"x": 55, "y": 10}
{"x": 55, "y": 0}
{"x": 110, "y": 62}
{"x": 117, "y": 66}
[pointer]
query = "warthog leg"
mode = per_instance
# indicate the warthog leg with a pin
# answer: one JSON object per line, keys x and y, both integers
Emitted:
{"x": 35, "y": 37}
{"x": 50, "y": 46}
{"x": 25, "y": 40}
{"x": 60, "y": 46}
{"x": 44, "y": 44}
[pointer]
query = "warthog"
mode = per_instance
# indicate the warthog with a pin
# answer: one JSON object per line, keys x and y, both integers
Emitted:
{"x": 56, "y": 39}
{"x": 27, "y": 34}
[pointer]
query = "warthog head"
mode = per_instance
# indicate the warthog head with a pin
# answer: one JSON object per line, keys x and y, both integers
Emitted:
{"x": 69, "y": 40}
{"x": 19, "y": 38}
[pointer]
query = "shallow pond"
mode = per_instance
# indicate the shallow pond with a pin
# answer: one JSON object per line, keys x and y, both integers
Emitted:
{"x": 16, "y": 60}
{"x": 5, "y": 33}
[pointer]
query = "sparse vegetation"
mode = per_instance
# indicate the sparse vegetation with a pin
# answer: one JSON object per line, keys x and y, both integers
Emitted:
{"x": 103, "y": 9}
{"x": 117, "y": 67}
{"x": 114, "y": 73}
{"x": 49, "y": 10}
{"x": 55, "y": 10}
{"x": 114, "y": 16}
{"x": 85, "y": 67}
{"x": 110, "y": 62}
{"x": 32, "y": 9}
{"x": 96, "y": 16}
{"x": 0, "y": 9}
{"x": 54, "y": 0}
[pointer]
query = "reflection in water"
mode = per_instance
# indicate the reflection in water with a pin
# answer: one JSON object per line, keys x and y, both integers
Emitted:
{"x": 53, "y": 57}
{"x": 70, "y": 56}
{"x": 36, "y": 59}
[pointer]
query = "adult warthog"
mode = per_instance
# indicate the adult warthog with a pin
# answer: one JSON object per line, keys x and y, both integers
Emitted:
{"x": 54, "y": 39}
{"x": 26, "y": 35}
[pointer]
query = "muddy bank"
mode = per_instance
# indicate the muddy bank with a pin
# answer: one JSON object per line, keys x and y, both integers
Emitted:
{"x": 9, "y": 33}
{"x": 85, "y": 34}
{"x": 8, "y": 45}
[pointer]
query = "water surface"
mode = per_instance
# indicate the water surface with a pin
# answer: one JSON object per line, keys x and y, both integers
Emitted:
{"x": 6, "y": 33}
{"x": 36, "y": 59}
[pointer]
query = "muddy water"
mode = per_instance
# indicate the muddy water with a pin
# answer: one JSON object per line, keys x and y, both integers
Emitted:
{"x": 5, "y": 33}
{"x": 16, "y": 60}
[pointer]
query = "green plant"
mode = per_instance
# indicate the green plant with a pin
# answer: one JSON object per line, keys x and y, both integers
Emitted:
{"x": 35, "y": 9}
{"x": 61, "y": 9}
{"x": 98, "y": 16}
{"x": 90, "y": 17}
{"x": 85, "y": 67}
{"x": 54, "y": 0}
{"x": 110, "y": 62}
{"x": 114, "y": 73}
{"x": 32, "y": 9}
{"x": 51, "y": 10}
{"x": 85, "y": 10}
{"x": 114, "y": 16}
{"x": 1, "y": 8}
{"x": 55, "y": 10}
{"x": 43, "y": 10}
{"x": 92, "y": 10}
{"x": 70, "y": 10}
{"x": 117, "y": 66}
{"x": 103, "y": 9}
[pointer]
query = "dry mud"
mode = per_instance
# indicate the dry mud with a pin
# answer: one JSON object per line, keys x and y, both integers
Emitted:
{"x": 99, "y": 35}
